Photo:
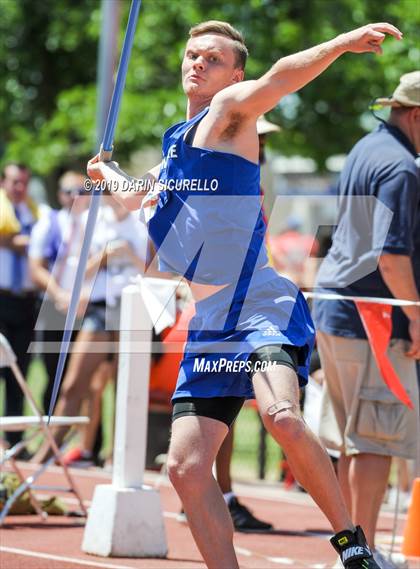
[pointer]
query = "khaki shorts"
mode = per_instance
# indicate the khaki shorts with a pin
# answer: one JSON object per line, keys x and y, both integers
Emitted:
{"x": 359, "y": 413}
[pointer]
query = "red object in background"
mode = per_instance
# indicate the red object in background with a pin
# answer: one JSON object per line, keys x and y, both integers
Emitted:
{"x": 377, "y": 322}
{"x": 287, "y": 475}
{"x": 291, "y": 249}
{"x": 164, "y": 373}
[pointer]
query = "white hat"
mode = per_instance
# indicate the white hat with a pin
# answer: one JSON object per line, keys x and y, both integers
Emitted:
{"x": 265, "y": 127}
{"x": 407, "y": 94}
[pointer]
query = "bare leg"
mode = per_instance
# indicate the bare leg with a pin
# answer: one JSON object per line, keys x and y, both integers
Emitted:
{"x": 305, "y": 454}
{"x": 223, "y": 460}
{"x": 369, "y": 475}
{"x": 344, "y": 479}
{"x": 75, "y": 384}
{"x": 404, "y": 475}
{"x": 195, "y": 442}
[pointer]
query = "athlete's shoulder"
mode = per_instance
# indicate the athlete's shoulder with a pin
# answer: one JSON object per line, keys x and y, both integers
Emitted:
{"x": 231, "y": 95}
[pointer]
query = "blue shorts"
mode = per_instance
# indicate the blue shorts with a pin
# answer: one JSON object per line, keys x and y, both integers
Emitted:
{"x": 231, "y": 324}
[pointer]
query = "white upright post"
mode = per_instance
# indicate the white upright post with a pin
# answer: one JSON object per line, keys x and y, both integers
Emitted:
{"x": 125, "y": 518}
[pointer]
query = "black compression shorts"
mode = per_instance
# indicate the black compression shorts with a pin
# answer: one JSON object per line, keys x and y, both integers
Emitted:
{"x": 226, "y": 409}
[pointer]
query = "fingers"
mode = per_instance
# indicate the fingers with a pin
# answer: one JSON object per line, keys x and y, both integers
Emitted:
{"x": 368, "y": 38}
{"x": 92, "y": 165}
{"x": 374, "y": 43}
{"x": 377, "y": 36}
{"x": 413, "y": 353}
{"x": 94, "y": 168}
{"x": 94, "y": 160}
{"x": 387, "y": 29}
{"x": 375, "y": 48}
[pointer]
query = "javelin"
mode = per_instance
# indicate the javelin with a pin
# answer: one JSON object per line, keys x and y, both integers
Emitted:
{"x": 105, "y": 155}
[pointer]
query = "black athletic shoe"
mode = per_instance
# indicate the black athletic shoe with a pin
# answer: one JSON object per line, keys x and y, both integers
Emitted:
{"x": 353, "y": 550}
{"x": 243, "y": 520}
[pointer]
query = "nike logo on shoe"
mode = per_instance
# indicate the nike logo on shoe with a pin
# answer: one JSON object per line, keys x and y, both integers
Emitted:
{"x": 355, "y": 551}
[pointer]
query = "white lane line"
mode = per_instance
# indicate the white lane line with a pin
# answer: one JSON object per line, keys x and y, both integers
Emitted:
{"x": 280, "y": 560}
{"x": 65, "y": 499}
{"x": 242, "y": 489}
{"x": 243, "y": 551}
{"x": 248, "y": 494}
{"x": 74, "y": 560}
{"x": 239, "y": 550}
{"x": 94, "y": 472}
{"x": 87, "y": 503}
{"x": 385, "y": 538}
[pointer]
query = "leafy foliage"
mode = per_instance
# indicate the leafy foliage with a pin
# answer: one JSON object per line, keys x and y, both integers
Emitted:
{"x": 48, "y": 98}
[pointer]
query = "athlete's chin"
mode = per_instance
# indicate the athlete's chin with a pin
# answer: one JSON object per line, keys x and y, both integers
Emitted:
{"x": 192, "y": 89}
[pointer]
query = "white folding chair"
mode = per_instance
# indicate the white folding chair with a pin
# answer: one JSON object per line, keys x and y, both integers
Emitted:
{"x": 40, "y": 424}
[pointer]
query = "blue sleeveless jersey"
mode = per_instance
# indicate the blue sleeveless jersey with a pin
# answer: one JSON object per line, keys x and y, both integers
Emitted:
{"x": 208, "y": 227}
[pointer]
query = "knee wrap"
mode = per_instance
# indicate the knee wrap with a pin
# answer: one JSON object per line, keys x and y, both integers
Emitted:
{"x": 280, "y": 406}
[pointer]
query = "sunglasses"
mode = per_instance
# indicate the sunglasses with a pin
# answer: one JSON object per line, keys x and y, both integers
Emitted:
{"x": 75, "y": 191}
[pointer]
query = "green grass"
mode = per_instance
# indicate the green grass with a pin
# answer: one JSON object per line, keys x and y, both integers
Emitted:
{"x": 108, "y": 413}
{"x": 37, "y": 379}
{"x": 245, "y": 457}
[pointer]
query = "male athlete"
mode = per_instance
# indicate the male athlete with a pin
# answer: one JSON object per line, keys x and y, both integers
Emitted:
{"x": 252, "y": 333}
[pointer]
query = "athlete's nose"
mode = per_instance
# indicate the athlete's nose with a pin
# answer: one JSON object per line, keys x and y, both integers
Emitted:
{"x": 199, "y": 63}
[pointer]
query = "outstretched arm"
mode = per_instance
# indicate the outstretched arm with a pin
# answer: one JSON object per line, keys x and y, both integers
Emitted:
{"x": 294, "y": 71}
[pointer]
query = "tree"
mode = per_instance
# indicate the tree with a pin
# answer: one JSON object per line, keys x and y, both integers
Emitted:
{"x": 48, "y": 98}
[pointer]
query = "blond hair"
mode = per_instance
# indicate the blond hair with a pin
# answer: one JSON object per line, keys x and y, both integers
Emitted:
{"x": 224, "y": 29}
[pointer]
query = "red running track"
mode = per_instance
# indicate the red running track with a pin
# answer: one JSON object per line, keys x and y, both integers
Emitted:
{"x": 300, "y": 538}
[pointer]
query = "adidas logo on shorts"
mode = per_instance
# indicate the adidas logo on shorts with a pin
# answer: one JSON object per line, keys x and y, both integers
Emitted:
{"x": 271, "y": 331}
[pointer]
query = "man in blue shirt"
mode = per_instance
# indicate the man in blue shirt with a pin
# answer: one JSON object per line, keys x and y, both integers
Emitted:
{"x": 18, "y": 297}
{"x": 245, "y": 314}
{"x": 375, "y": 253}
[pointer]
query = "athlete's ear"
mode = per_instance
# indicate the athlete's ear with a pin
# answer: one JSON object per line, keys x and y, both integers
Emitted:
{"x": 238, "y": 75}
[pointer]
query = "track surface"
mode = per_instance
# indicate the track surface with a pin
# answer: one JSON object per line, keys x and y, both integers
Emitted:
{"x": 300, "y": 538}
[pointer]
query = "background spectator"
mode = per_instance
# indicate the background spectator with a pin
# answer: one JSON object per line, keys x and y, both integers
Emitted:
{"x": 375, "y": 252}
{"x": 18, "y": 214}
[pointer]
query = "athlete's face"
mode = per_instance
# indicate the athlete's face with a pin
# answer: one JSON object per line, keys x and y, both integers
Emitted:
{"x": 209, "y": 65}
